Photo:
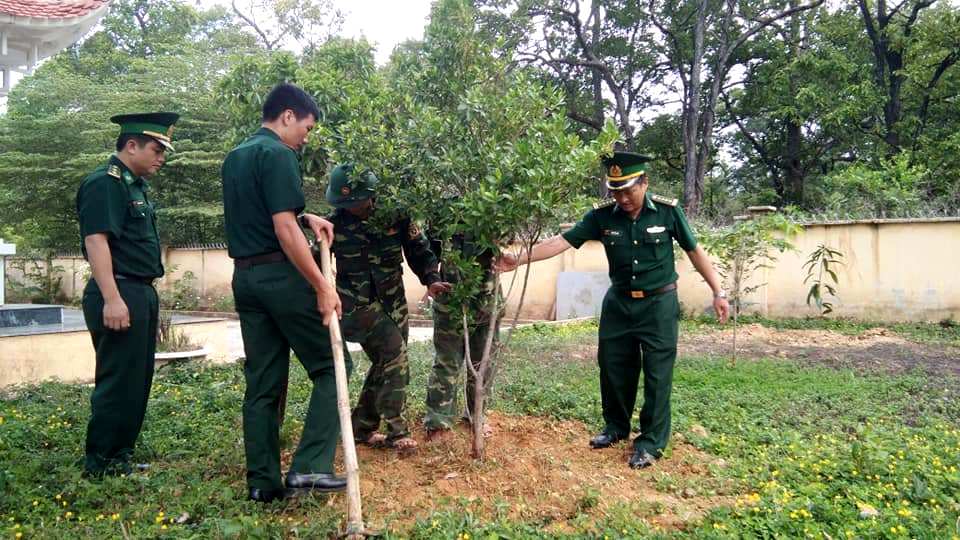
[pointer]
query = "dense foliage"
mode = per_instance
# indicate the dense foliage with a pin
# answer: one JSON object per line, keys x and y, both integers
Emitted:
{"x": 847, "y": 108}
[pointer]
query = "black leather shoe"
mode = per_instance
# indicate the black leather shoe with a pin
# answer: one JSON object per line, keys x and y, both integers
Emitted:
{"x": 641, "y": 459}
{"x": 604, "y": 440}
{"x": 324, "y": 482}
{"x": 266, "y": 495}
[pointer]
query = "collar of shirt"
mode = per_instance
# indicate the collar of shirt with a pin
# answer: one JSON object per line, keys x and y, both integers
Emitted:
{"x": 266, "y": 132}
{"x": 647, "y": 202}
{"x": 128, "y": 177}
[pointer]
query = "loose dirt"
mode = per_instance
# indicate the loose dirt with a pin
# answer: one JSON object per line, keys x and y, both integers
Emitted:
{"x": 535, "y": 470}
{"x": 875, "y": 350}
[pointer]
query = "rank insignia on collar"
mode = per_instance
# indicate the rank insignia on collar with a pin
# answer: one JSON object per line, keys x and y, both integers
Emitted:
{"x": 664, "y": 200}
{"x": 113, "y": 171}
{"x": 345, "y": 190}
{"x": 391, "y": 231}
{"x": 604, "y": 203}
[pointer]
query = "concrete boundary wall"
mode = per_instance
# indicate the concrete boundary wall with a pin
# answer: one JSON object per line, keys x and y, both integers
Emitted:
{"x": 895, "y": 270}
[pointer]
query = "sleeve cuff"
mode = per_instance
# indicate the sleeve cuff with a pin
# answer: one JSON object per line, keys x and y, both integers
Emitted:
{"x": 574, "y": 241}
{"x": 431, "y": 278}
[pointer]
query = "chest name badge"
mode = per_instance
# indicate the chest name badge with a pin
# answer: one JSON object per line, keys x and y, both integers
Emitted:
{"x": 655, "y": 230}
{"x": 612, "y": 232}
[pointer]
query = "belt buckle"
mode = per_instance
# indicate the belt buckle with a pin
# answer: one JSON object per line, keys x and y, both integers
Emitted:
{"x": 637, "y": 294}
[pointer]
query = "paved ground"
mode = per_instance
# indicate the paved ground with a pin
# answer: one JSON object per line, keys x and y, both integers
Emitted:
{"x": 73, "y": 322}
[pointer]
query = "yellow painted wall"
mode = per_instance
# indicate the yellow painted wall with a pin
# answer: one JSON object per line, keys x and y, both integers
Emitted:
{"x": 895, "y": 270}
{"x": 69, "y": 356}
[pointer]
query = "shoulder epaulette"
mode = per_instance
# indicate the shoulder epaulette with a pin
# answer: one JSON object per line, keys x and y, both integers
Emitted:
{"x": 609, "y": 201}
{"x": 114, "y": 172}
{"x": 663, "y": 200}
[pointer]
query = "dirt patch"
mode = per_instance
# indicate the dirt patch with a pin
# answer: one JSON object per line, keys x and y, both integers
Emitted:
{"x": 536, "y": 470}
{"x": 875, "y": 350}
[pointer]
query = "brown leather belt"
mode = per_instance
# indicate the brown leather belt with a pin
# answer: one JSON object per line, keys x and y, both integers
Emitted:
{"x": 643, "y": 294}
{"x": 242, "y": 263}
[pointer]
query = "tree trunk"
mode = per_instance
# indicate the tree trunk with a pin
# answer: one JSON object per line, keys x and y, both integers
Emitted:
{"x": 597, "y": 82}
{"x": 793, "y": 175}
{"x": 793, "y": 184}
{"x": 692, "y": 188}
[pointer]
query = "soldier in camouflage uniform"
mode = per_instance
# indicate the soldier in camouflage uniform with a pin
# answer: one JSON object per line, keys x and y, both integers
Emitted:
{"x": 370, "y": 283}
{"x": 442, "y": 402}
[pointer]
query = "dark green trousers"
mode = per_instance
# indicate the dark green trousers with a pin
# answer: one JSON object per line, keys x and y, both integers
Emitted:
{"x": 278, "y": 311}
{"x": 124, "y": 373}
{"x": 638, "y": 336}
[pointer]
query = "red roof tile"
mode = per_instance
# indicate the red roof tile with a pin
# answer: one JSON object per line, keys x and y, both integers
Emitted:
{"x": 49, "y": 9}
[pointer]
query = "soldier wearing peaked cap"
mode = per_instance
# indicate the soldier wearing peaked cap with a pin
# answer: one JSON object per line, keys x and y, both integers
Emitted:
{"x": 640, "y": 312}
{"x": 119, "y": 238}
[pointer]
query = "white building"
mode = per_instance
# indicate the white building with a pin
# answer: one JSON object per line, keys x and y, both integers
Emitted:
{"x": 31, "y": 30}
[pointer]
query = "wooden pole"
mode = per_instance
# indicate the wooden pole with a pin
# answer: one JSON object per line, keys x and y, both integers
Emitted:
{"x": 355, "y": 529}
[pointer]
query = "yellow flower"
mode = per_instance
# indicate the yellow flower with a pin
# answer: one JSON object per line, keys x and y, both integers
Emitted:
{"x": 19, "y": 535}
{"x": 115, "y": 517}
{"x": 68, "y": 515}
{"x": 163, "y": 527}
{"x": 35, "y": 503}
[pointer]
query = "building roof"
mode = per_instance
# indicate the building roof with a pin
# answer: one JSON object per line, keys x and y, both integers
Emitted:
{"x": 49, "y": 9}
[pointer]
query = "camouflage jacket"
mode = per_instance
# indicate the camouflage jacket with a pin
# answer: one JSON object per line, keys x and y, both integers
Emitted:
{"x": 370, "y": 265}
{"x": 478, "y": 305}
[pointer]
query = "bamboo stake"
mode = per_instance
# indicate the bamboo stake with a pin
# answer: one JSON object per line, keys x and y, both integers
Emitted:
{"x": 355, "y": 529}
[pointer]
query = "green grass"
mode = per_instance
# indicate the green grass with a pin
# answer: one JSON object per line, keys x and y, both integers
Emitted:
{"x": 805, "y": 450}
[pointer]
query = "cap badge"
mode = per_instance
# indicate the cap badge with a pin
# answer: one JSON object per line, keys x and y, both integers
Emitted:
{"x": 615, "y": 171}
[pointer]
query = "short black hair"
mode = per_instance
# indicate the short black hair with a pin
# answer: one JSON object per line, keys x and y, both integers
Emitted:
{"x": 288, "y": 96}
{"x": 141, "y": 140}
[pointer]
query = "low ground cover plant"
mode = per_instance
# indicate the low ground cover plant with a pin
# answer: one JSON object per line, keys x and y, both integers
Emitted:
{"x": 795, "y": 450}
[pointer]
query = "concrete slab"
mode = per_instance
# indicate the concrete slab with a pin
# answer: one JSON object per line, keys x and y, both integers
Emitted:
{"x": 580, "y": 294}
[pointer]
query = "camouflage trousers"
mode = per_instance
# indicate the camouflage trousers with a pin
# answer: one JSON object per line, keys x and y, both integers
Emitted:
{"x": 442, "y": 396}
{"x": 383, "y": 336}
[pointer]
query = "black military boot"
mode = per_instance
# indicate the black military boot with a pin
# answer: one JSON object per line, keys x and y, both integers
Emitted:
{"x": 323, "y": 482}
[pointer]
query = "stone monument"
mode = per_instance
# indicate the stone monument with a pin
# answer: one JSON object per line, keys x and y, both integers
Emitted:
{"x": 21, "y": 315}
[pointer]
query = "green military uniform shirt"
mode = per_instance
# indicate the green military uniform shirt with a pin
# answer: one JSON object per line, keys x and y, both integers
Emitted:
{"x": 114, "y": 201}
{"x": 639, "y": 253}
{"x": 261, "y": 177}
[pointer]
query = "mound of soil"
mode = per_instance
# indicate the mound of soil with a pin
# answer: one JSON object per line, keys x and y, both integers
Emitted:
{"x": 535, "y": 470}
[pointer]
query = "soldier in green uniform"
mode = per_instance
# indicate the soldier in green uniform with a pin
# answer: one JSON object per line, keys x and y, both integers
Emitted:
{"x": 448, "y": 341}
{"x": 119, "y": 236}
{"x": 640, "y": 312}
{"x": 282, "y": 298}
{"x": 370, "y": 282}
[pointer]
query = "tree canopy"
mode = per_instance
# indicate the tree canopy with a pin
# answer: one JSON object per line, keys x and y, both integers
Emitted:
{"x": 847, "y": 108}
